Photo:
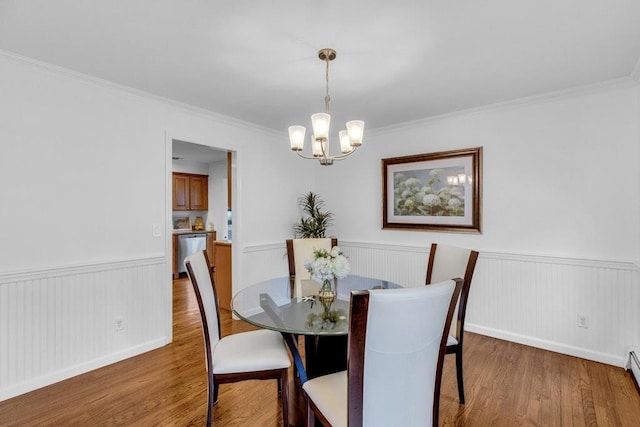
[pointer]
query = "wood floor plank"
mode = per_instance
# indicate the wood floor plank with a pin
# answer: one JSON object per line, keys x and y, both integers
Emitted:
{"x": 507, "y": 384}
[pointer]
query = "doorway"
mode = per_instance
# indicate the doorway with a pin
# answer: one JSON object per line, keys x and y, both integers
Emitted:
{"x": 196, "y": 161}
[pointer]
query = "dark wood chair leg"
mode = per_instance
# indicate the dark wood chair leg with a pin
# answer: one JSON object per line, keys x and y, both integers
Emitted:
{"x": 311, "y": 417}
{"x": 459, "y": 374}
{"x": 210, "y": 402}
{"x": 215, "y": 393}
{"x": 283, "y": 382}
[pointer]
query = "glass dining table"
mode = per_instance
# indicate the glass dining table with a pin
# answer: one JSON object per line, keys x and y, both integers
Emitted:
{"x": 292, "y": 306}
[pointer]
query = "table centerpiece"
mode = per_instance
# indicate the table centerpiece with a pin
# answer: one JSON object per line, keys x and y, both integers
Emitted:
{"x": 325, "y": 268}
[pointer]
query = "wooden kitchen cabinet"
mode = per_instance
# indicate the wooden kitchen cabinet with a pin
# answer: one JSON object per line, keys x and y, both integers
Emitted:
{"x": 222, "y": 273}
{"x": 180, "y": 192}
{"x": 190, "y": 192}
{"x": 199, "y": 192}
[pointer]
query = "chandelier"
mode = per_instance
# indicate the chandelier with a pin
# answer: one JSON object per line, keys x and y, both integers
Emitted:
{"x": 350, "y": 139}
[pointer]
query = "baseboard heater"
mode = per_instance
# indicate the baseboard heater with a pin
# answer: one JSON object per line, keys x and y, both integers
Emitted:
{"x": 634, "y": 366}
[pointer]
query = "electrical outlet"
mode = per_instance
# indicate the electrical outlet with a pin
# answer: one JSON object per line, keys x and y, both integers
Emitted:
{"x": 156, "y": 230}
{"x": 583, "y": 321}
{"x": 118, "y": 324}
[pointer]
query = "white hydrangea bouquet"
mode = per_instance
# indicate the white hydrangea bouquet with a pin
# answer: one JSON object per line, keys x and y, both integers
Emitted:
{"x": 326, "y": 265}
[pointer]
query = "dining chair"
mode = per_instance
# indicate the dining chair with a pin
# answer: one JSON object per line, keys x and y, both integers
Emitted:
{"x": 446, "y": 262}
{"x": 300, "y": 250}
{"x": 397, "y": 342}
{"x": 255, "y": 355}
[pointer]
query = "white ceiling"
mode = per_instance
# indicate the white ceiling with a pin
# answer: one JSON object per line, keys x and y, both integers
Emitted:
{"x": 397, "y": 61}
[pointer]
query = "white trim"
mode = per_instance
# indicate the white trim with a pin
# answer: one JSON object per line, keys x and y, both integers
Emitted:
{"x": 91, "y": 267}
{"x": 621, "y": 83}
{"x": 72, "y": 371}
{"x": 521, "y": 257}
{"x": 550, "y": 259}
{"x": 168, "y": 227}
{"x": 548, "y": 345}
{"x": 263, "y": 247}
{"x": 232, "y": 121}
{"x": 633, "y": 363}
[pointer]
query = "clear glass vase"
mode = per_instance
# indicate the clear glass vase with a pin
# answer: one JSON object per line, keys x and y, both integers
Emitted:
{"x": 327, "y": 293}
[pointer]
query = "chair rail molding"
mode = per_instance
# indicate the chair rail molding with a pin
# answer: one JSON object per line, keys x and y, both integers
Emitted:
{"x": 60, "y": 322}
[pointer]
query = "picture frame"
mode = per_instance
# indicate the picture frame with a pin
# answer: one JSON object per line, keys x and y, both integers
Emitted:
{"x": 182, "y": 223}
{"x": 433, "y": 192}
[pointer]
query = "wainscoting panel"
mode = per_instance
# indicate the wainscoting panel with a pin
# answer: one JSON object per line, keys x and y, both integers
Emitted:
{"x": 405, "y": 265}
{"x": 58, "y": 323}
{"x": 533, "y": 300}
{"x": 579, "y": 307}
{"x": 261, "y": 262}
{"x": 583, "y": 308}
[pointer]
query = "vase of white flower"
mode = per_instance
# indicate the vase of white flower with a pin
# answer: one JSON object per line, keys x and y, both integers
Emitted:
{"x": 325, "y": 267}
{"x": 327, "y": 293}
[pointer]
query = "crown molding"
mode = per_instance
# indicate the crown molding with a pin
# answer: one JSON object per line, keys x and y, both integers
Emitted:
{"x": 202, "y": 112}
{"x": 623, "y": 82}
{"x": 620, "y": 83}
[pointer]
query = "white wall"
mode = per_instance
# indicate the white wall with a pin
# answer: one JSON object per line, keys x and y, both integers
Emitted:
{"x": 560, "y": 229}
{"x": 560, "y": 176}
{"x": 84, "y": 174}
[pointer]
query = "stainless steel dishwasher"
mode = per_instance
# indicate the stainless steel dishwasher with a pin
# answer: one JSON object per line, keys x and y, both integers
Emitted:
{"x": 189, "y": 244}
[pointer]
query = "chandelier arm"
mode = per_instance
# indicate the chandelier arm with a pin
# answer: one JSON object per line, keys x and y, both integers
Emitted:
{"x": 307, "y": 157}
{"x": 344, "y": 156}
{"x": 322, "y": 147}
{"x": 324, "y": 156}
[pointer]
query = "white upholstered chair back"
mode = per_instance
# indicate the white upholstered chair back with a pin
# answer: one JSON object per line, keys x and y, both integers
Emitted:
{"x": 200, "y": 275}
{"x": 404, "y": 332}
{"x": 303, "y": 251}
{"x": 450, "y": 262}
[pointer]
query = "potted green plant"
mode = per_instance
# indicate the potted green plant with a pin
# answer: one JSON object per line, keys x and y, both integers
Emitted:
{"x": 314, "y": 220}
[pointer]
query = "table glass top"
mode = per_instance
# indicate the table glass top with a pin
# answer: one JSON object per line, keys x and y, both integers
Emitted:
{"x": 289, "y": 305}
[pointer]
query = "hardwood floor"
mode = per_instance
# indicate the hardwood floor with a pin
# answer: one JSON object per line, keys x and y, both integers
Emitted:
{"x": 507, "y": 384}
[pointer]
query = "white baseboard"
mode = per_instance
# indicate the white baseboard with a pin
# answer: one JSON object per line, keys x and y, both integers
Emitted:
{"x": 634, "y": 363}
{"x": 54, "y": 377}
{"x": 595, "y": 356}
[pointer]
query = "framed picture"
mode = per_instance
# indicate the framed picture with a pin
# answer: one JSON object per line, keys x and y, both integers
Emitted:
{"x": 433, "y": 192}
{"x": 182, "y": 223}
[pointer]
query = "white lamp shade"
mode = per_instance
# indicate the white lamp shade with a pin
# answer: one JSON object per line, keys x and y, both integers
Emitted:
{"x": 296, "y": 137}
{"x": 462, "y": 178}
{"x": 320, "y": 123}
{"x": 317, "y": 146}
{"x": 345, "y": 143}
{"x": 355, "y": 128}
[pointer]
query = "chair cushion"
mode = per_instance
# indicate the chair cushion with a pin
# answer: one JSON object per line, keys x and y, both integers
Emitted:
{"x": 250, "y": 351}
{"x": 451, "y": 340}
{"x": 329, "y": 394}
